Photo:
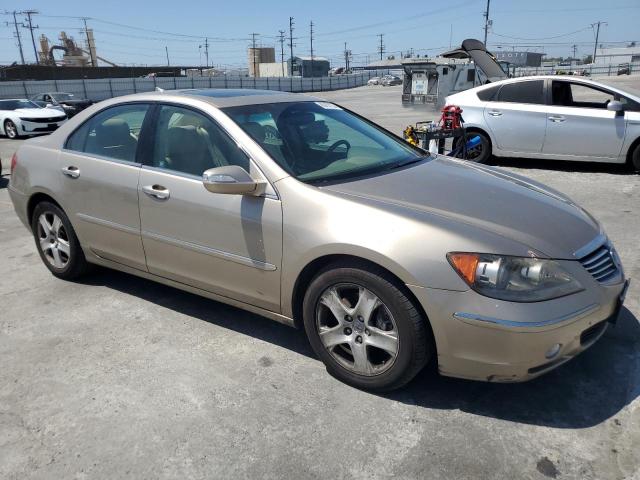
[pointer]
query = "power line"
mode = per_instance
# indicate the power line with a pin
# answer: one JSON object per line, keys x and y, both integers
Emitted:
{"x": 544, "y": 38}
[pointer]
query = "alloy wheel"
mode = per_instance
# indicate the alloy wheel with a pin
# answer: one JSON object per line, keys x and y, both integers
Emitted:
{"x": 357, "y": 329}
{"x": 53, "y": 240}
{"x": 10, "y": 129}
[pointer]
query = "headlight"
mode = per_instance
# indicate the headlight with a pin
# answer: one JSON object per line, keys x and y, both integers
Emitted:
{"x": 515, "y": 279}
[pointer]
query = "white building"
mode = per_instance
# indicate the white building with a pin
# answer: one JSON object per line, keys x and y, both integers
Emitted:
{"x": 618, "y": 55}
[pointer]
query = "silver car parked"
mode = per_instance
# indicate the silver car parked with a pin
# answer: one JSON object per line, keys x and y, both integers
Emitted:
{"x": 553, "y": 117}
{"x": 304, "y": 212}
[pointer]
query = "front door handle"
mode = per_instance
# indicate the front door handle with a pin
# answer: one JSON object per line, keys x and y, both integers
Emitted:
{"x": 495, "y": 113}
{"x": 557, "y": 119}
{"x": 157, "y": 191}
{"x": 71, "y": 171}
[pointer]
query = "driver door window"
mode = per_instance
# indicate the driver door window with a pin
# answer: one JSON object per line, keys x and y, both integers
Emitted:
{"x": 568, "y": 94}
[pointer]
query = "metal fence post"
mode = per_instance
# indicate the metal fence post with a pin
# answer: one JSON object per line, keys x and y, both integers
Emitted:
{"x": 24, "y": 86}
{"x": 155, "y": 84}
{"x": 175, "y": 84}
{"x": 84, "y": 87}
{"x": 240, "y": 81}
{"x": 110, "y": 89}
{"x": 225, "y": 81}
{"x": 609, "y": 74}
{"x": 280, "y": 83}
{"x": 210, "y": 86}
{"x": 135, "y": 90}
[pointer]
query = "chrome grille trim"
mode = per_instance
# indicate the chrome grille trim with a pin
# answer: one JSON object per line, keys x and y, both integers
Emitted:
{"x": 600, "y": 263}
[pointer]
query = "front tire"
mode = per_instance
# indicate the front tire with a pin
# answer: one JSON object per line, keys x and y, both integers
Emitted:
{"x": 57, "y": 242}
{"x": 364, "y": 328}
{"x": 10, "y": 130}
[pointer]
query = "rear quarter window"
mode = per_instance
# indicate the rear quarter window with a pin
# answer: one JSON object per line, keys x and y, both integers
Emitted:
{"x": 488, "y": 94}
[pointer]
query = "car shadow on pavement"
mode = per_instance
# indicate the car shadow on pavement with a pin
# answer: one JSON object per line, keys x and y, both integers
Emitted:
{"x": 4, "y": 181}
{"x": 582, "y": 393}
{"x": 562, "y": 165}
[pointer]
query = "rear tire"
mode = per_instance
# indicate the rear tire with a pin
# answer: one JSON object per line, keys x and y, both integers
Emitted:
{"x": 634, "y": 159}
{"x": 381, "y": 352}
{"x": 479, "y": 154}
{"x": 10, "y": 130}
{"x": 57, "y": 242}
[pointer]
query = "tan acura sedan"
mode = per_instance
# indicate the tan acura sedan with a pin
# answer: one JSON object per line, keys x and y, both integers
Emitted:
{"x": 304, "y": 212}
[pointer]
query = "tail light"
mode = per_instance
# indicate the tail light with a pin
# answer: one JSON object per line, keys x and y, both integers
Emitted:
{"x": 14, "y": 162}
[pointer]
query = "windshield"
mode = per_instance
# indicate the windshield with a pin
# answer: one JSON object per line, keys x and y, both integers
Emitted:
{"x": 62, "y": 96}
{"x": 16, "y": 104}
{"x": 319, "y": 141}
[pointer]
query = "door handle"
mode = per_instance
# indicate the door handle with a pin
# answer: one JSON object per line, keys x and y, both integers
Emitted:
{"x": 71, "y": 171}
{"x": 495, "y": 113}
{"x": 557, "y": 119}
{"x": 157, "y": 191}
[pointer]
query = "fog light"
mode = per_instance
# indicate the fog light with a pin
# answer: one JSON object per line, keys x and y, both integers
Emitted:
{"x": 553, "y": 351}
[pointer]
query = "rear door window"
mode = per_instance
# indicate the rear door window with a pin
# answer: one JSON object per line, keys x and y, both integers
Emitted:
{"x": 531, "y": 92}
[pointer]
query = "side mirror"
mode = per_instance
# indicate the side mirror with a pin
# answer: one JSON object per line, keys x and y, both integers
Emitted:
{"x": 49, "y": 104}
{"x": 233, "y": 180}
{"x": 615, "y": 106}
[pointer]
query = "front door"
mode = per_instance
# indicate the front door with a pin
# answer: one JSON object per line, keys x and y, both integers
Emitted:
{"x": 230, "y": 245}
{"x": 517, "y": 117}
{"x": 100, "y": 171}
{"x": 580, "y": 125}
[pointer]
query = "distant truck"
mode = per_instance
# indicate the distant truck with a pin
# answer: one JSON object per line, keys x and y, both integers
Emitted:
{"x": 431, "y": 80}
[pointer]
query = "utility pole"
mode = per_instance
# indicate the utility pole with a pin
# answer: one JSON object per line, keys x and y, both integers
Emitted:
{"x": 575, "y": 49}
{"x": 347, "y": 53}
{"x": 291, "y": 43}
{"x": 595, "y": 47}
{"x": 451, "y": 35}
{"x": 281, "y": 40}
{"x": 31, "y": 28}
{"x": 253, "y": 55}
{"x": 17, "y": 34}
{"x": 166, "y": 50}
{"x": 206, "y": 51}
{"x": 486, "y": 22}
{"x": 311, "y": 42}
{"x": 381, "y": 46}
{"x": 91, "y": 47}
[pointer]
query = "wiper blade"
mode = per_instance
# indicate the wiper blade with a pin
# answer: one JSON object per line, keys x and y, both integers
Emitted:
{"x": 406, "y": 162}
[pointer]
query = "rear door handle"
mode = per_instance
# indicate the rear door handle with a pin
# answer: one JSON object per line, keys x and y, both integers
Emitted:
{"x": 557, "y": 119}
{"x": 71, "y": 171}
{"x": 157, "y": 191}
{"x": 495, "y": 113}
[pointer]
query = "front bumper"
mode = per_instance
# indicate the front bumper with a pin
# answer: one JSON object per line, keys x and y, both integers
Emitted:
{"x": 480, "y": 338}
{"x": 35, "y": 128}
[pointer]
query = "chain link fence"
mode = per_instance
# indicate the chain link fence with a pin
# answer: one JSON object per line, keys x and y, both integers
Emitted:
{"x": 101, "y": 89}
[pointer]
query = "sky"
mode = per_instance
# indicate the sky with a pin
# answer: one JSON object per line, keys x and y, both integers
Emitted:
{"x": 137, "y": 31}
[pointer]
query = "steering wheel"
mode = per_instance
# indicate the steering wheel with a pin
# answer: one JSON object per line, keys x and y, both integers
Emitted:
{"x": 336, "y": 145}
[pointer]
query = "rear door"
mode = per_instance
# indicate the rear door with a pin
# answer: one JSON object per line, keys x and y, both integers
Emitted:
{"x": 580, "y": 124}
{"x": 517, "y": 117}
{"x": 99, "y": 191}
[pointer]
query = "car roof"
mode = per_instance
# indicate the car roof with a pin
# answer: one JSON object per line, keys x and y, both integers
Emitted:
{"x": 224, "y": 97}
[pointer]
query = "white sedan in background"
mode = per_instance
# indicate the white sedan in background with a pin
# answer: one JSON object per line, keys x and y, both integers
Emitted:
{"x": 22, "y": 117}
{"x": 552, "y": 117}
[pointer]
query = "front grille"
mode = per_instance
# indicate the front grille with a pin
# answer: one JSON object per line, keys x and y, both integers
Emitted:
{"x": 600, "y": 263}
{"x": 43, "y": 120}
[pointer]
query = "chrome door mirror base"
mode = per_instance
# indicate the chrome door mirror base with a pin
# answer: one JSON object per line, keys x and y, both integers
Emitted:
{"x": 232, "y": 179}
{"x": 615, "y": 106}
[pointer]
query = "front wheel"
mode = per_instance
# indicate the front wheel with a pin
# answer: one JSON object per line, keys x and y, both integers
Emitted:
{"x": 635, "y": 159}
{"x": 364, "y": 328}
{"x": 10, "y": 130}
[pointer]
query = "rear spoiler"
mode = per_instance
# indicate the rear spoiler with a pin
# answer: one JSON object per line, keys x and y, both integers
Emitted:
{"x": 477, "y": 51}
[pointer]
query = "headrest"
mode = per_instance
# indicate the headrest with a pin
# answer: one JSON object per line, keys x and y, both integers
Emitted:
{"x": 114, "y": 131}
{"x": 256, "y": 131}
{"x": 184, "y": 141}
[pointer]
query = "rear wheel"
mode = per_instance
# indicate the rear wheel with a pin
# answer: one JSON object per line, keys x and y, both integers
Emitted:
{"x": 10, "y": 129}
{"x": 364, "y": 328}
{"x": 57, "y": 242}
{"x": 634, "y": 160}
{"x": 480, "y": 153}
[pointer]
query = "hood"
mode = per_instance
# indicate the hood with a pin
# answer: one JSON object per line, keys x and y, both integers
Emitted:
{"x": 487, "y": 198}
{"x": 38, "y": 112}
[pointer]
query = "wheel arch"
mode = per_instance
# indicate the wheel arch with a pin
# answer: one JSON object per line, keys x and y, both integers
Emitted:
{"x": 635, "y": 144}
{"x": 35, "y": 199}
{"x": 310, "y": 270}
